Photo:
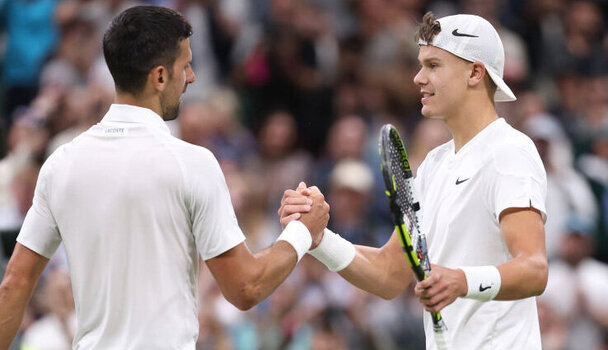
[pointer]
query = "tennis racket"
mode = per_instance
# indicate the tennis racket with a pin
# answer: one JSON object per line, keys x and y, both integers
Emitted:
{"x": 405, "y": 214}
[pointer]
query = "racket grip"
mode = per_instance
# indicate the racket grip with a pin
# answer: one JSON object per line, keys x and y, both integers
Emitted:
{"x": 440, "y": 331}
{"x": 441, "y": 339}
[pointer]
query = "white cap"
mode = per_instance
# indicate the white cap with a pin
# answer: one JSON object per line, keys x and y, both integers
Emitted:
{"x": 352, "y": 174}
{"x": 474, "y": 39}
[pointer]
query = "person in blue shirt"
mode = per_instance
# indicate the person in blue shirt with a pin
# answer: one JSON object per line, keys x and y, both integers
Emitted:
{"x": 32, "y": 36}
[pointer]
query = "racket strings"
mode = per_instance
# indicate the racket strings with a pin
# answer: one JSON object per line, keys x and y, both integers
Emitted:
{"x": 404, "y": 192}
{"x": 394, "y": 158}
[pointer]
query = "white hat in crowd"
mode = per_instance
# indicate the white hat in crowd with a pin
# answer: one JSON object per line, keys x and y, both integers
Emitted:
{"x": 352, "y": 174}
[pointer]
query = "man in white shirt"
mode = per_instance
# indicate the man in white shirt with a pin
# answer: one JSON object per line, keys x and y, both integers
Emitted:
{"x": 482, "y": 196}
{"x": 136, "y": 207}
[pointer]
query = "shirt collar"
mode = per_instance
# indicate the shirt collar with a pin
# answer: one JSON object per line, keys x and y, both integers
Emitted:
{"x": 479, "y": 136}
{"x": 122, "y": 113}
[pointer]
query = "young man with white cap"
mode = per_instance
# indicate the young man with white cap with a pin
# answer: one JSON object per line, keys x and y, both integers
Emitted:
{"x": 482, "y": 196}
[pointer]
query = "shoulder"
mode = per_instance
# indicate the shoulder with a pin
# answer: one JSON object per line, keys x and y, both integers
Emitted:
{"x": 55, "y": 159}
{"x": 512, "y": 152}
{"x": 200, "y": 159}
{"x": 513, "y": 146}
{"x": 186, "y": 153}
{"x": 196, "y": 162}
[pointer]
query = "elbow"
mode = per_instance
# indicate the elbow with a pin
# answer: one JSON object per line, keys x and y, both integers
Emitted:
{"x": 248, "y": 297}
{"x": 244, "y": 304}
{"x": 387, "y": 289}
{"x": 388, "y": 293}
{"x": 11, "y": 283}
{"x": 388, "y": 296}
{"x": 542, "y": 275}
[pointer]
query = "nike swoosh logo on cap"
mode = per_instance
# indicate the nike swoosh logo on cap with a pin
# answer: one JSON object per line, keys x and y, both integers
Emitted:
{"x": 455, "y": 33}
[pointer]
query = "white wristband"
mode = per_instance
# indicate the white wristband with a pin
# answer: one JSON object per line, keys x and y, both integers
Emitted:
{"x": 334, "y": 251}
{"x": 297, "y": 234}
{"x": 483, "y": 282}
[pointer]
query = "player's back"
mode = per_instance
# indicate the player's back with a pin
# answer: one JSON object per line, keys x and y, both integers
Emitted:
{"x": 116, "y": 193}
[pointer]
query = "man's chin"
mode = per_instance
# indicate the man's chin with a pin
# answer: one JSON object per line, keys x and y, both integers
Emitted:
{"x": 426, "y": 112}
{"x": 430, "y": 114}
{"x": 171, "y": 113}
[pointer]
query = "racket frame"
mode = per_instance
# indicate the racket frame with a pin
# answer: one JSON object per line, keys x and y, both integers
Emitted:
{"x": 413, "y": 241}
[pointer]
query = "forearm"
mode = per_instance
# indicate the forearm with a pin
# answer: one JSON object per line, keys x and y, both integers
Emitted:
{"x": 245, "y": 279}
{"x": 13, "y": 301}
{"x": 21, "y": 275}
{"x": 375, "y": 272}
{"x": 522, "y": 277}
{"x": 268, "y": 269}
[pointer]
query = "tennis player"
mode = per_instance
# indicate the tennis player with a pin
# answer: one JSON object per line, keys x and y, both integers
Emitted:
{"x": 136, "y": 207}
{"x": 482, "y": 196}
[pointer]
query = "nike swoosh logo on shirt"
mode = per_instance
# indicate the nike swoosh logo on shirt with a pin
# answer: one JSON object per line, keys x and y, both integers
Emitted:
{"x": 455, "y": 33}
{"x": 458, "y": 181}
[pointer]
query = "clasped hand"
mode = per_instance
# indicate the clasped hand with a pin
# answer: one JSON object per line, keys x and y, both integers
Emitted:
{"x": 308, "y": 205}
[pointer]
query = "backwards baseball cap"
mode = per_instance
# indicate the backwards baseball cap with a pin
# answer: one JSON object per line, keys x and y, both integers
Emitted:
{"x": 474, "y": 39}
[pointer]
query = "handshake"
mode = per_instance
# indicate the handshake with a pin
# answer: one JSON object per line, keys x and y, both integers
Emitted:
{"x": 308, "y": 206}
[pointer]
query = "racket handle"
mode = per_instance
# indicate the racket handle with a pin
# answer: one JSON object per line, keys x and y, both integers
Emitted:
{"x": 441, "y": 339}
{"x": 440, "y": 331}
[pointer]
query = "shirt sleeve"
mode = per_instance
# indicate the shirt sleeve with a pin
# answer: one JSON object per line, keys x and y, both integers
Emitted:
{"x": 39, "y": 231}
{"x": 214, "y": 224}
{"x": 519, "y": 179}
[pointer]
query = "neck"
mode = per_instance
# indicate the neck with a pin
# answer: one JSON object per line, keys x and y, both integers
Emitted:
{"x": 469, "y": 120}
{"x": 146, "y": 101}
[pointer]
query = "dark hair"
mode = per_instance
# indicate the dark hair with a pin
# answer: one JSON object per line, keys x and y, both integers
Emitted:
{"x": 139, "y": 39}
{"x": 429, "y": 28}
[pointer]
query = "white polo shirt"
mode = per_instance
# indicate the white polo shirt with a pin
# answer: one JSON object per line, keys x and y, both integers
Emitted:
{"x": 462, "y": 195}
{"x": 134, "y": 206}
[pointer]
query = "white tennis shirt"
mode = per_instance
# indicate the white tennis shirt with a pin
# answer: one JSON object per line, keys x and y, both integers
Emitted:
{"x": 462, "y": 195}
{"x": 134, "y": 206}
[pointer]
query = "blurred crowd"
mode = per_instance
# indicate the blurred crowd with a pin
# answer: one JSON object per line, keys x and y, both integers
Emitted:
{"x": 297, "y": 90}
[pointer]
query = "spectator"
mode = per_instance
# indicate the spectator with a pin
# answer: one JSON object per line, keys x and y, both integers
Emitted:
{"x": 32, "y": 35}
{"x": 347, "y": 139}
{"x": 232, "y": 140}
{"x": 19, "y": 169}
{"x": 81, "y": 110}
{"x": 349, "y": 192}
{"x": 595, "y": 168}
{"x": 56, "y": 329}
{"x": 279, "y": 163}
{"x": 197, "y": 123}
{"x": 576, "y": 288}
{"x": 567, "y": 190}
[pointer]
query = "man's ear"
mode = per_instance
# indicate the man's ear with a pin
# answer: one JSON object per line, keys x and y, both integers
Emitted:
{"x": 478, "y": 72}
{"x": 158, "y": 78}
